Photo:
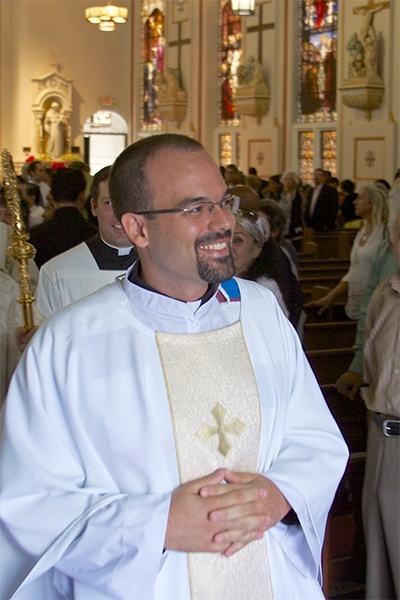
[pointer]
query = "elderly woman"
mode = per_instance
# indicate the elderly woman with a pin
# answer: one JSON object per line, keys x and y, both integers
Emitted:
{"x": 291, "y": 202}
{"x": 371, "y": 206}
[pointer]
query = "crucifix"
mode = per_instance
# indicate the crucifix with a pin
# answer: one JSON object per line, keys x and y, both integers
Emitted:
{"x": 259, "y": 29}
{"x": 178, "y": 44}
{"x": 371, "y": 7}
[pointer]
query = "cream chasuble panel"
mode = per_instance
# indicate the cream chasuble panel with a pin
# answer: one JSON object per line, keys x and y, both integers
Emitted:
{"x": 216, "y": 417}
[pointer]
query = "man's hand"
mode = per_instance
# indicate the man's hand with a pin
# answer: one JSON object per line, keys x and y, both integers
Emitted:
{"x": 349, "y": 383}
{"x": 23, "y": 337}
{"x": 207, "y": 515}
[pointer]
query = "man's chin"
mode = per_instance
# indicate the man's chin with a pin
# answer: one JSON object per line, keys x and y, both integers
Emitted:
{"x": 217, "y": 270}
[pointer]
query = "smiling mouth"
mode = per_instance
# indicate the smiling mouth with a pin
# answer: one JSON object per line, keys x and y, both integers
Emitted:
{"x": 216, "y": 246}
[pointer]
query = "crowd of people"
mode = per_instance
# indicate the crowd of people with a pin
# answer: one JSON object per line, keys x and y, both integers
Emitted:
{"x": 116, "y": 434}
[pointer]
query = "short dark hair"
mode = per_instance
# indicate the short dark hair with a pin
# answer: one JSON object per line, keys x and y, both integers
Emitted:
{"x": 348, "y": 186}
{"x": 32, "y": 166}
{"x": 67, "y": 184}
{"x": 34, "y": 190}
{"x": 129, "y": 188}
{"x": 102, "y": 175}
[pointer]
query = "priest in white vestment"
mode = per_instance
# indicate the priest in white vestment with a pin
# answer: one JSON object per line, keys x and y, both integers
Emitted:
{"x": 177, "y": 445}
{"x": 95, "y": 262}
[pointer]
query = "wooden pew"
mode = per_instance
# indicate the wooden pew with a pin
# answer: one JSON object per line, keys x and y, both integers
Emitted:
{"x": 331, "y": 266}
{"x": 319, "y": 280}
{"x": 343, "y": 554}
{"x": 328, "y": 244}
{"x": 335, "y": 312}
{"x": 339, "y": 334}
{"x": 329, "y": 364}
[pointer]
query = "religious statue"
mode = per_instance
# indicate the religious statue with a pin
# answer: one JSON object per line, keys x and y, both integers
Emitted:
{"x": 252, "y": 94}
{"x": 368, "y": 35}
{"x": 172, "y": 99}
{"x": 168, "y": 87}
{"x": 355, "y": 63}
{"x": 363, "y": 88}
{"x": 250, "y": 74}
{"x": 55, "y": 127}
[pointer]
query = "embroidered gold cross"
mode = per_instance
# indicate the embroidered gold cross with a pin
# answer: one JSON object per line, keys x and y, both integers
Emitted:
{"x": 235, "y": 427}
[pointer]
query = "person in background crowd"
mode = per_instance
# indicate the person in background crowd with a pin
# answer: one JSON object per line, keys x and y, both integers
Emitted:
{"x": 66, "y": 228}
{"x": 322, "y": 204}
{"x": 371, "y": 206}
{"x": 381, "y": 490}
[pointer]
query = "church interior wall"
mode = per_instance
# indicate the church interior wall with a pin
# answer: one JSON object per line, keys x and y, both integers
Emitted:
{"x": 368, "y": 146}
{"x": 35, "y": 35}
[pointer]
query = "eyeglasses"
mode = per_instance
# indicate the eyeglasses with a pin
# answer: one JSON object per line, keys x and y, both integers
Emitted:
{"x": 246, "y": 213}
{"x": 196, "y": 211}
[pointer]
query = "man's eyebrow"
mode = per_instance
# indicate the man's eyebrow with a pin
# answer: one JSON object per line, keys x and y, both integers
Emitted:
{"x": 196, "y": 199}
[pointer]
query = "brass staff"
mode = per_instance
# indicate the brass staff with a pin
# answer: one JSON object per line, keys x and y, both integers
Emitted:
{"x": 20, "y": 250}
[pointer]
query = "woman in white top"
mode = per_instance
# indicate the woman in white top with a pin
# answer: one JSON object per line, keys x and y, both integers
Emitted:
{"x": 371, "y": 206}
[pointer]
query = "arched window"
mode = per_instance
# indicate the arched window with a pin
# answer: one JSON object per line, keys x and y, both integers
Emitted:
{"x": 316, "y": 89}
{"x": 317, "y": 61}
{"x": 153, "y": 44}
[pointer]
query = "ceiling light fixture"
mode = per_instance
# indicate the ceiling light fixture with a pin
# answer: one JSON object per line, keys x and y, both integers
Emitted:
{"x": 106, "y": 16}
{"x": 244, "y": 8}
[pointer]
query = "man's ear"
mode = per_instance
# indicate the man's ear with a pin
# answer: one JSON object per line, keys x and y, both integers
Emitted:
{"x": 93, "y": 207}
{"x": 135, "y": 227}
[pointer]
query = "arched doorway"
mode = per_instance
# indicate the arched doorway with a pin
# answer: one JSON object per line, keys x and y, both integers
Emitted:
{"x": 105, "y": 136}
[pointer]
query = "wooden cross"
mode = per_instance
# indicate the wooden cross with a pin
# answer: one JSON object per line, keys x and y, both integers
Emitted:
{"x": 178, "y": 44}
{"x": 260, "y": 28}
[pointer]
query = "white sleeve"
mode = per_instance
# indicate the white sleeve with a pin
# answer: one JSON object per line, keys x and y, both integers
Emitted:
{"x": 53, "y": 517}
{"x": 308, "y": 466}
{"x": 48, "y": 296}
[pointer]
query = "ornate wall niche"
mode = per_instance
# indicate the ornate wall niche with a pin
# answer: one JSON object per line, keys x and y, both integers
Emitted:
{"x": 52, "y": 109}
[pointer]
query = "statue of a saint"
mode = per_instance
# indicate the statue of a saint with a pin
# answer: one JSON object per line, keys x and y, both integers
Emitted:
{"x": 168, "y": 88}
{"x": 54, "y": 126}
{"x": 355, "y": 57}
{"x": 368, "y": 36}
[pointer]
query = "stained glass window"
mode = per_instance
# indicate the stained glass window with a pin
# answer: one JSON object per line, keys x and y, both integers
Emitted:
{"x": 306, "y": 153}
{"x": 317, "y": 61}
{"x": 153, "y": 44}
{"x": 230, "y": 57}
{"x": 328, "y": 151}
{"x": 225, "y": 149}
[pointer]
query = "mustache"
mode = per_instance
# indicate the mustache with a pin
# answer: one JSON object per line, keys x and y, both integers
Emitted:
{"x": 209, "y": 238}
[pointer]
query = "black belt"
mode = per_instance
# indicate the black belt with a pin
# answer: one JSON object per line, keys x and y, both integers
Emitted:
{"x": 390, "y": 426}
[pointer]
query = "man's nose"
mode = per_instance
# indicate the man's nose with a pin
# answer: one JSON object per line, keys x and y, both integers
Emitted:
{"x": 220, "y": 219}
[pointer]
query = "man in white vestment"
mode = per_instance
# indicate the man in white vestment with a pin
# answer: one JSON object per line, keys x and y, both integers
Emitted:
{"x": 95, "y": 262}
{"x": 165, "y": 437}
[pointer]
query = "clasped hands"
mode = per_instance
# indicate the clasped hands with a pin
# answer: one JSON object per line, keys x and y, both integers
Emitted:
{"x": 223, "y": 512}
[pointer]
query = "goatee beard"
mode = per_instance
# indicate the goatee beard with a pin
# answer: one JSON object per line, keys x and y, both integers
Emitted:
{"x": 215, "y": 270}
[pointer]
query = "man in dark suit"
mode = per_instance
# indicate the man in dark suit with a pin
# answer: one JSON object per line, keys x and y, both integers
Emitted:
{"x": 67, "y": 228}
{"x": 322, "y": 205}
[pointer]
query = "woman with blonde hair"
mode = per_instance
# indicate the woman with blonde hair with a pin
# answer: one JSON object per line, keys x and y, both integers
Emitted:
{"x": 371, "y": 205}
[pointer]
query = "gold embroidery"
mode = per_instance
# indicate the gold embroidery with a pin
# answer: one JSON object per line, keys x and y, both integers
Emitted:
{"x": 235, "y": 427}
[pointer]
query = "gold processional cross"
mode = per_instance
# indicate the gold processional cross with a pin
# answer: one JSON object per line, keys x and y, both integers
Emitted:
{"x": 222, "y": 429}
